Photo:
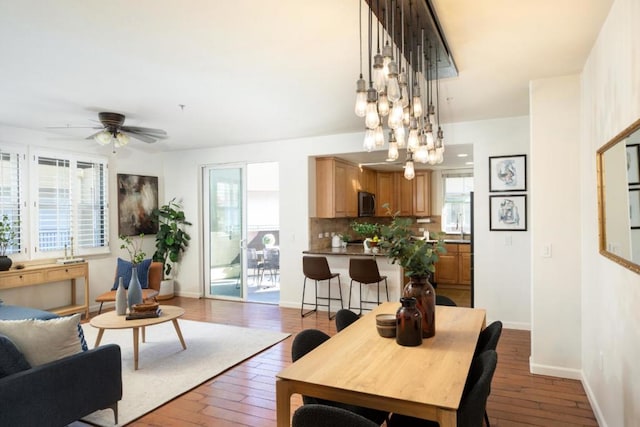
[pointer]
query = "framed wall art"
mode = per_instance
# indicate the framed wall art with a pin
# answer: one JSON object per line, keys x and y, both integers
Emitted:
{"x": 508, "y": 173}
{"x": 508, "y": 212}
{"x": 633, "y": 164}
{"x": 137, "y": 198}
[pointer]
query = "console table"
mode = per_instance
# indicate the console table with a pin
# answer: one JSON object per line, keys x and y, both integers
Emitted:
{"x": 48, "y": 273}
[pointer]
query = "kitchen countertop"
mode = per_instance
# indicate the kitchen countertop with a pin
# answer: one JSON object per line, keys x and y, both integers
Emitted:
{"x": 357, "y": 249}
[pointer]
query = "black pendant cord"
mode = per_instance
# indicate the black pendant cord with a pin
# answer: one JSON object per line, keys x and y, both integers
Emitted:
{"x": 370, "y": 48}
{"x": 360, "y": 33}
{"x": 378, "y": 32}
{"x": 437, "y": 90}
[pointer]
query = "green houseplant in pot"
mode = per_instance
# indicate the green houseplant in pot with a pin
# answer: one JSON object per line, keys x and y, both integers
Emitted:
{"x": 417, "y": 257}
{"x": 171, "y": 241}
{"x": 369, "y": 231}
{"x": 7, "y": 239}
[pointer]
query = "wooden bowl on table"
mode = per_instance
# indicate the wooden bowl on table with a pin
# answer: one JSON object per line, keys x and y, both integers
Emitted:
{"x": 386, "y": 325}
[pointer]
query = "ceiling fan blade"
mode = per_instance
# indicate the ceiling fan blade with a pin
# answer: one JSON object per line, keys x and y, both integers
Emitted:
{"x": 158, "y": 133}
{"x": 73, "y": 127}
{"x": 144, "y": 138}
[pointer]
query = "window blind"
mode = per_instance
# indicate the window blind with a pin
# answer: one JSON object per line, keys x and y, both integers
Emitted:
{"x": 54, "y": 204}
{"x": 92, "y": 216}
{"x": 11, "y": 194}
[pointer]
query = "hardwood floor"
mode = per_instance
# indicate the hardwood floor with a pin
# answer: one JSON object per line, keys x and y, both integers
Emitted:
{"x": 245, "y": 394}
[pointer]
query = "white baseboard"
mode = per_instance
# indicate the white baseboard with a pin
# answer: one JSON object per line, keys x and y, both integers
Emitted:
{"x": 555, "y": 371}
{"x": 593, "y": 402}
{"x": 189, "y": 294}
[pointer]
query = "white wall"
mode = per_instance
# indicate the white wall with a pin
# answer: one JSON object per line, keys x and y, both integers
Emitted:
{"x": 610, "y": 92}
{"x": 555, "y": 211}
{"x": 502, "y": 268}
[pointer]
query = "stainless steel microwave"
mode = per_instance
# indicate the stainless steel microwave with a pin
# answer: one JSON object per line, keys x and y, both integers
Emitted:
{"x": 366, "y": 203}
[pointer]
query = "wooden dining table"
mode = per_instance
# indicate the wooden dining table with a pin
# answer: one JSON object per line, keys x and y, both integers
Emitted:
{"x": 360, "y": 367}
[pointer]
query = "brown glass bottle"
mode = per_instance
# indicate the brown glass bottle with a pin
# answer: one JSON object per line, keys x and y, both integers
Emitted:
{"x": 408, "y": 323}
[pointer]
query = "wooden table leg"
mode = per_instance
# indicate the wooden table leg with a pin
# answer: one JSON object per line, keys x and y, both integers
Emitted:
{"x": 144, "y": 334}
{"x": 447, "y": 418}
{"x": 99, "y": 338}
{"x": 283, "y": 403}
{"x": 177, "y": 327}
{"x": 135, "y": 348}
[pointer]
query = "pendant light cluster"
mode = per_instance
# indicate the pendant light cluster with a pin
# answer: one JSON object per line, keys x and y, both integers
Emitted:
{"x": 400, "y": 90}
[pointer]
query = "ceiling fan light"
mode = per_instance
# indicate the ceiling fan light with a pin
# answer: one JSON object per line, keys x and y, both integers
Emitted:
{"x": 103, "y": 138}
{"x": 121, "y": 140}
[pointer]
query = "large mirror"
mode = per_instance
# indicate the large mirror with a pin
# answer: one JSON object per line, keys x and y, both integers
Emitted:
{"x": 618, "y": 164}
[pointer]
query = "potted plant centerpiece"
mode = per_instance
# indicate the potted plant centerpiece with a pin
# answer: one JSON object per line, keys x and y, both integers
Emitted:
{"x": 171, "y": 242}
{"x": 369, "y": 231}
{"x": 417, "y": 257}
{"x": 7, "y": 237}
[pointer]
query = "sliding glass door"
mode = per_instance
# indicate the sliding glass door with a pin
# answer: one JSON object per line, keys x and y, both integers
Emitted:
{"x": 225, "y": 231}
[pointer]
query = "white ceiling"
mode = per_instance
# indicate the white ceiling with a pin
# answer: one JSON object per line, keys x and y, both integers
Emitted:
{"x": 260, "y": 70}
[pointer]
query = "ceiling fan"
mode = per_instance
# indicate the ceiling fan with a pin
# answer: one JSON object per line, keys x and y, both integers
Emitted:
{"x": 114, "y": 131}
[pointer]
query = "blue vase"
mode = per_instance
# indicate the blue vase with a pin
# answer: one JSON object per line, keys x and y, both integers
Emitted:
{"x": 134, "y": 293}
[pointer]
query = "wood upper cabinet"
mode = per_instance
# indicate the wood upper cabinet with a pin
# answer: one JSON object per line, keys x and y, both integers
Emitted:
{"x": 422, "y": 193}
{"x": 336, "y": 188}
{"x": 385, "y": 192}
{"x": 404, "y": 194}
{"x": 368, "y": 180}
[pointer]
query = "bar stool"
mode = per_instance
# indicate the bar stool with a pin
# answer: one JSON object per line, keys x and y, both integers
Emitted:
{"x": 365, "y": 271}
{"x": 317, "y": 268}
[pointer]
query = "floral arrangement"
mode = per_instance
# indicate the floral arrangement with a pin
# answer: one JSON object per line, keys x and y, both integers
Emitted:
{"x": 7, "y": 235}
{"x": 134, "y": 248}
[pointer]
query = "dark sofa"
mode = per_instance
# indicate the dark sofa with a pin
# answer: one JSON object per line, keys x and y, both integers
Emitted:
{"x": 60, "y": 392}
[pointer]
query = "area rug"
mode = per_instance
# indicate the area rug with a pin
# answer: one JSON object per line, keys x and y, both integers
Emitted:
{"x": 165, "y": 370}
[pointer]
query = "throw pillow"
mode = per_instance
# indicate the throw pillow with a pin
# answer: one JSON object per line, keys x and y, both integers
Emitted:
{"x": 124, "y": 270}
{"x": 42, "y": 341}
{"x": 11, "y": 360}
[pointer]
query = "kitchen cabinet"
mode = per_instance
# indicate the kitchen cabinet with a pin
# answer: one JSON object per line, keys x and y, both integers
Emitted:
{"x": 336, "y": 188}
{"x": 408, "y": 197}
{"x": 385, "y": 193}
{"x": 367, "y": 180}
{"x": 454, "y": 267}
{"x": 422, "y": 193}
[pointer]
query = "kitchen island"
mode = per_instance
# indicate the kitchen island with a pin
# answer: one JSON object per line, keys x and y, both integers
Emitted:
{"x": 338, "y": 259}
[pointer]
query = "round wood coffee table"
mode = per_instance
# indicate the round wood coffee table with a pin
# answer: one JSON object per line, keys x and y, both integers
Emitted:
{"x": 111, "y": 320}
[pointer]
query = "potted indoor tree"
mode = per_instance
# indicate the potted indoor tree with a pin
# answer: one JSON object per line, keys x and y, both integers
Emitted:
{"x": 417, "y": 257}
{"x": 7, "y": 238}
{"x": 171, "y": 241}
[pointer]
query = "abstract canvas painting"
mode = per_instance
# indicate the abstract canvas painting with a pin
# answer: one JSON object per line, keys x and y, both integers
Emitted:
{"x": 137, "y": 198}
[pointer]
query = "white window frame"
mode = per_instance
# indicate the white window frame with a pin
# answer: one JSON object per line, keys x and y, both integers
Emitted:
{"x": 73, "y": 159}
{"x": 23, "y": 192}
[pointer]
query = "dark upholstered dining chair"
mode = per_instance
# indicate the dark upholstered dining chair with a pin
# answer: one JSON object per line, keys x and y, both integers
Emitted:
{"x": 488, "y": 340}
{"x": 328, "y": 416}
{"x": 474, "y": 397}
{"x": 443, "y": 300}
{"x": 344, "y": 318}
{"x": 317, "y": 269}
{"x": 303, "y": 343}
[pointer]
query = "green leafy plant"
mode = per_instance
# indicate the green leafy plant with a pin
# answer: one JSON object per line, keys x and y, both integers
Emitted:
{"x": 7, "y": 235}
{"x": 134, "y": 248}
{"x": 171, "y": 239}
{"x": 365, "y": 229}
{"x": 416, "y": 256}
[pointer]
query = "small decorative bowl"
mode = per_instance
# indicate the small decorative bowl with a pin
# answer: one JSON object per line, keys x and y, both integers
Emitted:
{"x": 151, "y": 306}
{"x": 386, "y": 325}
